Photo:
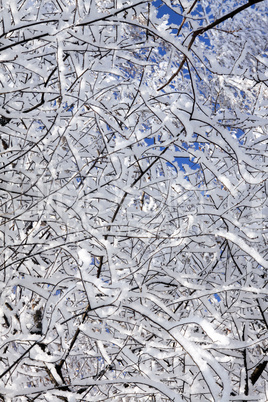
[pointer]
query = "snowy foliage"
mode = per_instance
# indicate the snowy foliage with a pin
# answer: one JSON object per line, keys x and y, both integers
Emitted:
{"x": 133, "y": 211}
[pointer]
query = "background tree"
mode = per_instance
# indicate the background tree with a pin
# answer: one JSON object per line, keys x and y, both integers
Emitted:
{"x": 133, "y": 208}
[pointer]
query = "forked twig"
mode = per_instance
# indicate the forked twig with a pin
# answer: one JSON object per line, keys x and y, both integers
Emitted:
{"x": 200, "y": 31}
